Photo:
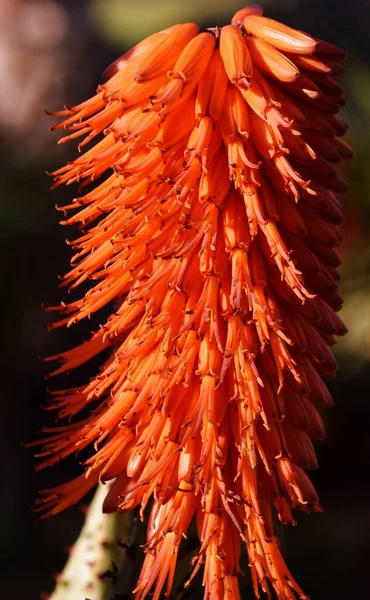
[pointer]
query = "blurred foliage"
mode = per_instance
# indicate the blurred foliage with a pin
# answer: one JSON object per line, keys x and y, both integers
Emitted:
{"x": 129, "y": 21}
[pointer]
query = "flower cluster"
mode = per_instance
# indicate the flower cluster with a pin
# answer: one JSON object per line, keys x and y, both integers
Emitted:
{"x": 213, "y": 233}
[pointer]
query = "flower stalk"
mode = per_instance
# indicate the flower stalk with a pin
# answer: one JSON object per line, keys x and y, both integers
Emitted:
{"x": 100, "y": 546}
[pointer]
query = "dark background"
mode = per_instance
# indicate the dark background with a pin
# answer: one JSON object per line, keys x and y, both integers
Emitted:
{"x": 53, "y": 52}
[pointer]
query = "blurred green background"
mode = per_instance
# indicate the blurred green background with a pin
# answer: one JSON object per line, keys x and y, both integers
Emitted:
{"x": 53, "y": 52}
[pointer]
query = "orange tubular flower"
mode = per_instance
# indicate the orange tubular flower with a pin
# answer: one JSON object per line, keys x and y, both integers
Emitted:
{"x": 213, "y": 229}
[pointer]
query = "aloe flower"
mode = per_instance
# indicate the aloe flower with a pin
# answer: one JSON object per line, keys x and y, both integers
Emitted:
{"x": 211, "y": 232}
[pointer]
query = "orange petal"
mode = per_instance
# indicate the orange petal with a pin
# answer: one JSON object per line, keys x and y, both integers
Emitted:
{"x": 331, "y": 50}
{"x": 234, "y": 123}
{"x": 310, "y": 63}
{"x": 194, "y": 59}
{"x": 236, "y": 57}
{"x": 212, "y": 89}
{"x": 137, "y": 52}
{"x": 166, "y": 47}
{"x": 270, "y": 61}
{"x": 280, "y": 36}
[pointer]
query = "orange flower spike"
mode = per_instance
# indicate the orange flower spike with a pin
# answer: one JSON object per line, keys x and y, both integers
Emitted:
{"x": 280, "y": 36}
{"x": 214, "y": 237}
{"x": 236, "y": 57}
{"x": 270, "y": 61}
